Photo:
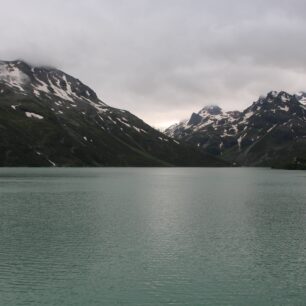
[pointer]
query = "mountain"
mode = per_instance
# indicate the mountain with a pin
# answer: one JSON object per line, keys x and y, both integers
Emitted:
{"x": 49, "y": 118}
{"x": 271, "y": 132}
{"x": 211, "y": 129}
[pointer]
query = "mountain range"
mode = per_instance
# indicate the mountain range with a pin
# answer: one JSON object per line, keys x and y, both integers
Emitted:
{"x": 49, "y": 118}
{"x": 271, "y": 132}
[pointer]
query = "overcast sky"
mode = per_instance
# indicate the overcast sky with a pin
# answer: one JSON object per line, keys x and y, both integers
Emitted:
{"x": 163, "y": 59}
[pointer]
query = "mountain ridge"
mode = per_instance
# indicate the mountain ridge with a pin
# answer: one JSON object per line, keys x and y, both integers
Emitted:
{"x": 49, "y": 118}
{"x": 270, "y": 132}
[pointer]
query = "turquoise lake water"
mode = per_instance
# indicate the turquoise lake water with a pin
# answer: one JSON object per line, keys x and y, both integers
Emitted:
{"x": 152, "y": 236}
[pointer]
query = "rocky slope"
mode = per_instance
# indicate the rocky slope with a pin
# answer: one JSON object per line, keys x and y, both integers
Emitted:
{"x": 271, "y": 132}
{"x": 211, "y": 129}
{"x": 49, "y": 118}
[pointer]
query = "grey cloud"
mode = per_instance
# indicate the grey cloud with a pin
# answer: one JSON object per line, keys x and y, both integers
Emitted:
{"x": 163, "y": 59}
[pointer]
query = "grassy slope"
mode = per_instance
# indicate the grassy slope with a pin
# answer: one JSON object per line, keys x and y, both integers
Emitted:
{"x": 61, "y": 140}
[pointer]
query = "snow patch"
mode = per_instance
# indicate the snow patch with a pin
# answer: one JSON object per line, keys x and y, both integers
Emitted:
{"x": 33, "y": 115}
{"x": 52, "y": 163}
{"x": 285, "y": 108}
{"x": 126, "y": 124}
{"x": 270, "y": 129}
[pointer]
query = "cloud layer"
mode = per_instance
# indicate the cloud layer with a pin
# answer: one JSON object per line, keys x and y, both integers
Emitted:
{"x": 163, "y": 59}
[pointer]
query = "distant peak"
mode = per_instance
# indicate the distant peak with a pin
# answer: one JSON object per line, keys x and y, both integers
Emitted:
{"x": 283, "y": 93}
{"x": 273, "y": 94}
{"x": 211, "y": 109}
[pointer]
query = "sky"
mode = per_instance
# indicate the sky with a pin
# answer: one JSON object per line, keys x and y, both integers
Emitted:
{"x": 164, "y": 59}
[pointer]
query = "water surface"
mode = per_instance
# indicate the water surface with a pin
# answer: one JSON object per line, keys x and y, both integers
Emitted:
{"x": 152, "y": 237}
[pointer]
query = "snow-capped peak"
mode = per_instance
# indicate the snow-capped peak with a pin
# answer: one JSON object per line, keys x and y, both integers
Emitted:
{"x": 211, "y": 110}
{"x": 46, "y": 82}
{"x": 215, "y": 130}
{"x": 301, "y": 96}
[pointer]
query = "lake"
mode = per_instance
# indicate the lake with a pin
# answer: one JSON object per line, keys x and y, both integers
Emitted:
{"x": 152, "y": 236}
